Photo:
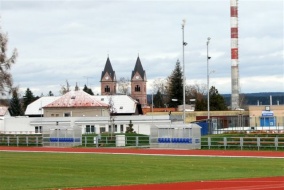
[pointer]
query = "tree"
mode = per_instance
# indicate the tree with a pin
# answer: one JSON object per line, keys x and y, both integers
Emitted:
{"x": 123, "y": 85}
{"x": 158, "y": 100}
{"x": 160, "y": 87}
{"x": 175, "y": 86}
{"x": 88, "y": 90}
{"x": 197, "y": 92}
{"x": 28, "y": 98}
{"x": 65, "y": 89}
{"x": 6, "y": 80}
{"x": 217, "y": 102}
{"x": 50, "y": 93}
{"x": 15, "y": 104}
{"x": 130, "y": 129}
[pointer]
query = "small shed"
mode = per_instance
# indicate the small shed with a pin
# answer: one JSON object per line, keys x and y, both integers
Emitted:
{"x": 175, "y": 136}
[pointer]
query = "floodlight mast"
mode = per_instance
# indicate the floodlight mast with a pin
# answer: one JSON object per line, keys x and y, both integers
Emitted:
{"x": 208, "y": 99}
{"x": 183, "y": 44}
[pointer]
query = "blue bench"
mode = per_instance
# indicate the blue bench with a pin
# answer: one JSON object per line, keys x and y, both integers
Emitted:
{"x": 175, "y": 140}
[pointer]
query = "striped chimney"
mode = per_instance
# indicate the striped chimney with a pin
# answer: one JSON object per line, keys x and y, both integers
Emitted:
{"x": 234, "y": 55}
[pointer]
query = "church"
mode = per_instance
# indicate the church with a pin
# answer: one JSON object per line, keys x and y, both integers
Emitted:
{"x": 138, "y": 82}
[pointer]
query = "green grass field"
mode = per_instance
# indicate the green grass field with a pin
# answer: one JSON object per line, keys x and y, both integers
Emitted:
{"x": 60, "y": 170}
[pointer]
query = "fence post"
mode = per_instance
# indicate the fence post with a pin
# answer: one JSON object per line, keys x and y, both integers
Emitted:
{"x": 225, "y": 142}
{"x": 258, "y": 142}
{"x": 27, "y": 140}
{"x": 17, "y": 140}
{"x": 241, "y": 142}
{"x": 8, "y": 141}
{"x": 276, "y": 142}
{"x": 209, "y": 142}
{"x": 36, "y": 141}
{"x": 85, "y": 141}
{"x": 137, "y": 141}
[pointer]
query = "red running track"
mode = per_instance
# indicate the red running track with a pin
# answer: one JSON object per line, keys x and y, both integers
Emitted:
{"x": 271, "y": 183}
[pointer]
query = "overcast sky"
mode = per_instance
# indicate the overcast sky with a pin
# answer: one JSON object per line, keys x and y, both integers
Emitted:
{"x": 71, "y": 40}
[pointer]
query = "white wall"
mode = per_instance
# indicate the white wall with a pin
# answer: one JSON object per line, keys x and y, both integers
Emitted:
{"x": 20, "y": 125}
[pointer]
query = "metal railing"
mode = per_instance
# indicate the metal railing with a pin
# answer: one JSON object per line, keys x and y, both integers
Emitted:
{"x": 272, "y": 143}
{"x": 225, "y": 143}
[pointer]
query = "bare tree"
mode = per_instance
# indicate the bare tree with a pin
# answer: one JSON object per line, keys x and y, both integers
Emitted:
{"x": 196, "y": 91}
{"x": 112, "y": 112}
{"x": 6, "y": 80}
{"x": 123, "y": 85}
{"x": 64, "y": 89}
{"x": 160, "y": 85}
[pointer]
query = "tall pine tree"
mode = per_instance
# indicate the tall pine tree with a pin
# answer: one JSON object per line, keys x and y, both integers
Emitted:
{"x": 217, "y": 102}
{"x": 158, "y": 100}
{"x": 175, "y": 88}
{"x": 15, "y": 104}
{"x": 88, "y": 90}
{"x": 28, "y": 98}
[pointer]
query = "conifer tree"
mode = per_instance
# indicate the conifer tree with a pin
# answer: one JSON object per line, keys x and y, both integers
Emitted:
{"x": 28, "y": 98}
{"x": 158, "y": 100}
{"x": 175, "y": 86}
{"x": 88, "y": 90}
{"x": 217, "y": 102}
{"x": 15, "y": 104}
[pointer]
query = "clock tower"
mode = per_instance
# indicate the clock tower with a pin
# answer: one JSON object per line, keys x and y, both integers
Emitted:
{"x": 138, "y": 84}
{"x": 108, "y": 80}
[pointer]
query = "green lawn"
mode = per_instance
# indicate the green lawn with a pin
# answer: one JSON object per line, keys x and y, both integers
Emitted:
{"x": 60, "y": 170}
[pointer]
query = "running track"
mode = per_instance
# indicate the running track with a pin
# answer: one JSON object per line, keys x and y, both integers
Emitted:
{"x": 271, "y": 183}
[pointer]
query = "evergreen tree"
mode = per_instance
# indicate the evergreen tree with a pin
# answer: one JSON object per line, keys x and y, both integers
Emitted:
{"x": 50, "y": 93}
{"x": 28, "y": 98}
{"x": 175, "y": 86}
{"x": 15, "y": 104}
{"x": 200, "y": 105}
{"x": 88, "y": 90}
{"x": 6, "y": 81}
{"x": 130, "y": 129}
{"x": 217, "y": 102}
{"x": 158, "y": 100}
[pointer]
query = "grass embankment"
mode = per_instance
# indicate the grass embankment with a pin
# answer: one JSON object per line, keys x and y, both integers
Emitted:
{"x": 58, "y": 170}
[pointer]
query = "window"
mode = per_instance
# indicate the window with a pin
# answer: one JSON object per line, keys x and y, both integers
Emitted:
{"x": 38, "y": 129}
{"x": 121, "y": 128}
{"x": 107, "y": 89}
{"x": 102, "y": 129}
{"x": 137, "y": 88}
{"x": 90, "y": 129}
{"x": 67, "y": 114}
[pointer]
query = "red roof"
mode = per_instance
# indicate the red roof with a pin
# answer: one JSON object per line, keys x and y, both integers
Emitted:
{"x": 76, "y": 99}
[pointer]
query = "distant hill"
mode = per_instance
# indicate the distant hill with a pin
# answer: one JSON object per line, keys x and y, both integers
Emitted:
{"x": 251, "y": 98}
{"x": 262, "y": 97}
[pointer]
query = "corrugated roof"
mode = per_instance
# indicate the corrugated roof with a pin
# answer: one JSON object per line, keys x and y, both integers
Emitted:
{"x": 123, "y": 104}
{"x": 3, "y": 110}
{"x": 76, "y": 99}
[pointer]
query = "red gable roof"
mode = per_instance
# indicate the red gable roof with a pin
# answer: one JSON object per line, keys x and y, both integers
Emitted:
{"x": 76, "y": 99}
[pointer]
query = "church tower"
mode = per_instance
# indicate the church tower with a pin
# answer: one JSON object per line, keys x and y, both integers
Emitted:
{"x": 138, "y": 84}
{"x": 108, "y": 80}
